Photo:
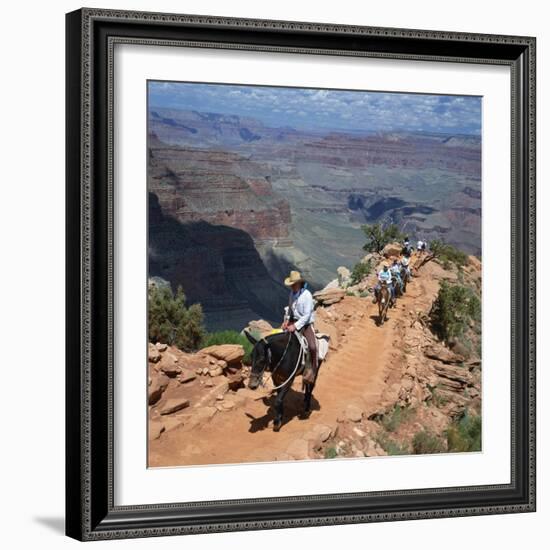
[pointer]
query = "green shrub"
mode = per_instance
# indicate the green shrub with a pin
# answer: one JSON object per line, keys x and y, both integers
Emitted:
{"x": 392, "y": 447}
{"x": 425, "y": 443}
{"x": 465, "y": 435}
{"x": 438, "y": 399}
{"x": 392, "y": 420}
{"x": 360, "y": 271}
{"x": 331, "y": 452}
{"x": 230, "y": 337}
{"x": 379, "y": 236}
{"x": 448, "y": 254}
{"x": 453, "y": 309}
{"x": 171, "y": 322}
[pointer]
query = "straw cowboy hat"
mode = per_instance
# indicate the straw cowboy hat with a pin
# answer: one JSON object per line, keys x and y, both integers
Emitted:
{"x": 294, "y": 277}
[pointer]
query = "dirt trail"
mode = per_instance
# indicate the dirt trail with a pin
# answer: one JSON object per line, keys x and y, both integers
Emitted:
{"x": 353, "y": 374}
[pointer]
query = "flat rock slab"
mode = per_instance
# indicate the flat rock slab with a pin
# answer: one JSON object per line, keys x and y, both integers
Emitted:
{"x": 230, "y": 353}
{"x": 173, "y": 405}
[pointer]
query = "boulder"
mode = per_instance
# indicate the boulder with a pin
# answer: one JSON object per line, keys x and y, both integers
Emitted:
{"x": 168, "y": 366}
{"x": 156, "y": 387}
{"x": 154, "y": 354}
{"x": 261, "y": 327}
{"x": 329, "y": 296}
{"x": 216, "y": 371}
{"x": 353, "y": 413}
{"x": 230, "y": 353}
{"x": 174, "y": 404}
{"x": 161, "y": 347}
{"x": 318, "y": 435}
{"x": 392, "y": 249}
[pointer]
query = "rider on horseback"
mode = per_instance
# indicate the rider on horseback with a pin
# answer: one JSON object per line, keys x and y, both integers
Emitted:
{"x": 301, "y": 318}
{"x": 395, "y": 270}
{"x": 406, "y": 263}
{"x": 384, "y": 277}
{"x": 407, "y": 247}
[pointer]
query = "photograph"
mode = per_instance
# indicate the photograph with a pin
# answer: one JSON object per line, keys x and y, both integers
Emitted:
{"x": 314, "y": 281}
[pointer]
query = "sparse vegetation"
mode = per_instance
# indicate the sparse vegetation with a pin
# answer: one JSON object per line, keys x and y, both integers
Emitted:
{"x": 425, "y": 442}
{"x": 465, "y": 435}
{"x": 379, "y": 236}
{"x": 438, "y": 399}
{"x": 360, "y": 271}
{"x": 392, "y": 420}
{"x": 453, "y": 310}
{"x": 171, "y": 322}
{"x": 391, "y": 446}
{"x": 229, "y": 337}
{"x": 448, "y": 254}
{"x": 331, "y": 452}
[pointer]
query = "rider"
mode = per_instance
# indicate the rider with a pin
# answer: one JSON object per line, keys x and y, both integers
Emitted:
{"x": 395, "y": 270}
{"x": 407, "y": 248}
{"x": 420, "y": 246}
{"x": 301, "y": 318}
{"x": 384, "y": 276}
{"x": 406, "y": 263}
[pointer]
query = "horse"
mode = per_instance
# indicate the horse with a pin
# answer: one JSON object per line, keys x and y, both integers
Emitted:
{"x": 384, "y": 298}
{"x": 404, "y": 277}
{"x": 281, "y": 355}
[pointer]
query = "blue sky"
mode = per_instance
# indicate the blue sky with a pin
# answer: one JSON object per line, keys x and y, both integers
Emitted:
{"x": 304, "y": 108}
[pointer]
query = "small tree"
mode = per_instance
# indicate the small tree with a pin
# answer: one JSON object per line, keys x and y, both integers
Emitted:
{"x": 453, "y": 309}
{"x": 360, "y": 271}
{"x": 379, "y": 236}
{"x": 448, "y": 253}
{"x": 171, "y": 322}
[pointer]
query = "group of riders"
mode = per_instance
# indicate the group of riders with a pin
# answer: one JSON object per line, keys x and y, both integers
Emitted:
{"x": 396, "y": 275}
{"x": 300, "y": 313}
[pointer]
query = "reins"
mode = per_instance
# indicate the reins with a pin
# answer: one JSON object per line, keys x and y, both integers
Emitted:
{"x": 300, "y": 353}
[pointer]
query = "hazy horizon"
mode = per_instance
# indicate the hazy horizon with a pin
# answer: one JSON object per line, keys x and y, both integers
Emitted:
{"x": 325, "y": 110}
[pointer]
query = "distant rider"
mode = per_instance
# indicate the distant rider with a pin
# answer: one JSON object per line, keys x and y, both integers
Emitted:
{"x": 407, "y": 248}
{"x": 406, "y": 263}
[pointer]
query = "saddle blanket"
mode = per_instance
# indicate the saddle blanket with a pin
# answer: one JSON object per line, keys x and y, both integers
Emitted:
{"x": 322, "y": 345}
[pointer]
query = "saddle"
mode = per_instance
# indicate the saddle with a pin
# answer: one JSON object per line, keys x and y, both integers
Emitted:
{"x": 322, "y": 346}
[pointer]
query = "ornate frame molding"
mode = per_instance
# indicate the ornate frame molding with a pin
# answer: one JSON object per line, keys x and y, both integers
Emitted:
{"x": 91, "y": 37}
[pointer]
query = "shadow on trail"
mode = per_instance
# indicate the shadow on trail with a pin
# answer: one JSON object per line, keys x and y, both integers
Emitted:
{"x": 376, "y": 319}
{"x": 294, "y": 408}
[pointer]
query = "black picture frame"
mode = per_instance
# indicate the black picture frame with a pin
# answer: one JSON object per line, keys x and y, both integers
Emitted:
{"x": 90, "y": 510}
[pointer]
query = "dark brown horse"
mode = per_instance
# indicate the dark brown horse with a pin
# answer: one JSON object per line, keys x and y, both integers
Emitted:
{"x": 281, "y": 355}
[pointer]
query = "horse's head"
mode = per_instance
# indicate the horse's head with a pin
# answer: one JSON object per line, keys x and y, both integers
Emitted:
{"x": 261, "y": 358}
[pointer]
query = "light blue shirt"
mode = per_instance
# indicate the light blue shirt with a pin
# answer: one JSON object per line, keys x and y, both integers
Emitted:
{"x": 301, "y": 304}
{"x": 385, "y": 276}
